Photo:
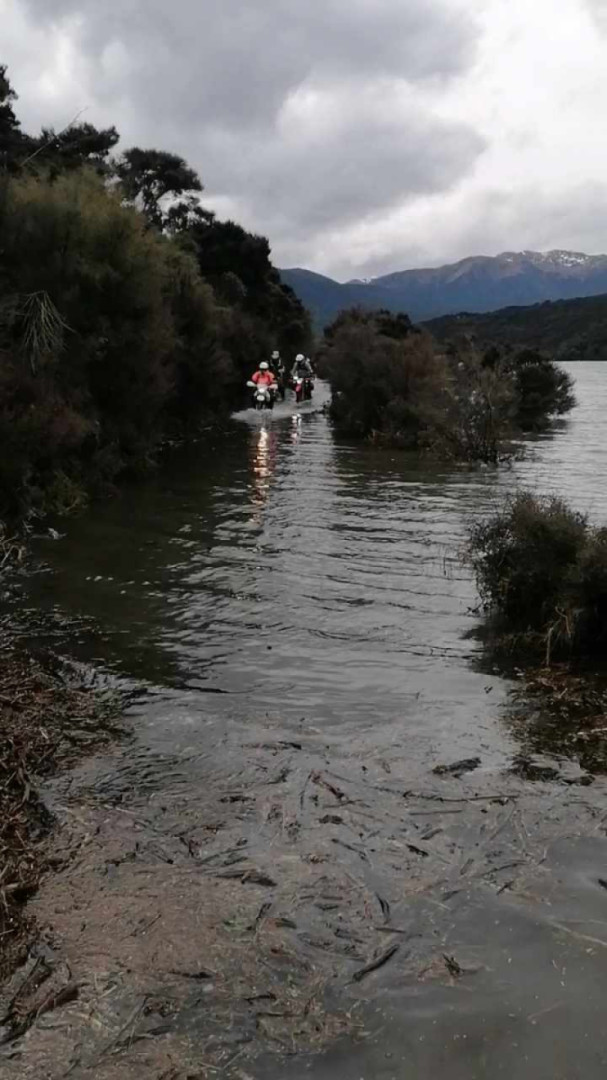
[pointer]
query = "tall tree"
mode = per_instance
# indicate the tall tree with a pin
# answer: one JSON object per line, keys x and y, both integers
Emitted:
{"x": 13, "y": 143}
{"x": 149, "y": 177}
{"x": 75, "y": 146}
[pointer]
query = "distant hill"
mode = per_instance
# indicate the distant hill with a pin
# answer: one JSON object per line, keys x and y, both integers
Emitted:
{"x": 567, "y": 329}
{"x": 476, "y": 284}
{"x": 325, "y": 298}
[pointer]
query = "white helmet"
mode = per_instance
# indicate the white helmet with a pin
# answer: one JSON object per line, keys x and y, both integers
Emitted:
{"x": 276, "y": 355}
{"x": 263, "y": 366}
{"x": 299, "y": 359}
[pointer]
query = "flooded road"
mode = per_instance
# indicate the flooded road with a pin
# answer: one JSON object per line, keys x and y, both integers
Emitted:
{"x": 296, "y": 615}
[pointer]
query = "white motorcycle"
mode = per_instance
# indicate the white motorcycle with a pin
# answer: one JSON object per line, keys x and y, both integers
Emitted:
{"x": 263, "y": 396}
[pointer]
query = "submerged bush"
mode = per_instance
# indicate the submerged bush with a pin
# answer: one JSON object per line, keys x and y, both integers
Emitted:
{"x": 380, "y": 374}
{"x": 541, "y": 571}
{"x": 542, "y": 389}
{"x": 392, "y": 383}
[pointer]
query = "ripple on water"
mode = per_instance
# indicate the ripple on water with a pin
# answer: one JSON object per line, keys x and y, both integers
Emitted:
{"x": 302, "y": 573}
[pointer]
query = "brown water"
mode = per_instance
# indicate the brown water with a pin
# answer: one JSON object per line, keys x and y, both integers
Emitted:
{"x": 280, "y": 585}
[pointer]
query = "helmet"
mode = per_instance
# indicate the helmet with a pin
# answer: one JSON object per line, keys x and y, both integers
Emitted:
{"x": 299, "y": 359}
{"x": 263, "y": 366}
{"x": 276, "y": 355}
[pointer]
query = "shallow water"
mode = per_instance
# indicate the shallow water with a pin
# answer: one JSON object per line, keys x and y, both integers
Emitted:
{"x": 282, "y": 571}
{"x": 279, "y": 580}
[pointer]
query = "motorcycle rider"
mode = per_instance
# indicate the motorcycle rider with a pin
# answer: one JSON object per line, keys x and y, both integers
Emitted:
{"x": 264, "y": 378}
{"x": 278, "y": 368}
{"x": 301, "y": 367}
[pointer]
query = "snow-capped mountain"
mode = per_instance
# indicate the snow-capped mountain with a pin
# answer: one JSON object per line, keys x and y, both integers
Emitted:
{"x": 476, "y": 284}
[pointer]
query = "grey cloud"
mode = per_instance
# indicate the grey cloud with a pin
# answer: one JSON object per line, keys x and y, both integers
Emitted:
{"x": 214, "y": 79}
{"x": 493, "y": 221}
{"x": 234, "y": 61}
{"x": 598, "y": 11}
{"x": 367, "y": 161}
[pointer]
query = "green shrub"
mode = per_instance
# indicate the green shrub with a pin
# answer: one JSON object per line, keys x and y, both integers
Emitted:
{"x": 541, "y": 569}
{"x": 543, "y": 389}
{"x": 392, "y": 384}
{"x": 380, "y": 380}
{"x": 108, "y": 336}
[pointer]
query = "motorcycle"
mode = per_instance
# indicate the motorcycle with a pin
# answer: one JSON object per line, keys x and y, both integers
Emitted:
{"x": 263, "y": 396}
{"x": 303, "y": 387}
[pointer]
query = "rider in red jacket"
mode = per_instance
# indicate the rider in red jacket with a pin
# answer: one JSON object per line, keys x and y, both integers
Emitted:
{"x": 264, "y": 377}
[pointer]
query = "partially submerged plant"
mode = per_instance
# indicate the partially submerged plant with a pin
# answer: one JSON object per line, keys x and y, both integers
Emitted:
{"x": 541, "y": 571}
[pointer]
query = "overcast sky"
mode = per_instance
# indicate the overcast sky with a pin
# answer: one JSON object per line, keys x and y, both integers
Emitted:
{"x": 361, "y": 136}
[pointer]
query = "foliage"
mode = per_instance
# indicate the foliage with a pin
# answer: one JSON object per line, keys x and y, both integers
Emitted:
{"x": 237, "y": 264}
{"x": 392, "y": 383}
{"x": 148, "y": 177}
{"x": 117, "y": 326}
{"x": 12, "y": 140}
{"x": 567, "y": 330}
{"x": 543, "y": 389}
{"x": 541, "y": 568}
{"x": 379, "y": 369}
{"x": 128, "y": 313}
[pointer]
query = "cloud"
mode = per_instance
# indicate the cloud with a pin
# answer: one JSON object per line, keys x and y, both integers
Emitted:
{"x": 342, "y": 155}
{"x": 299, "y": 116}
{"x": 359, "y": 135}
{"x": 233, "y": 62}
{"x": 597, "y": 9}
{"x": 437, "y": 230}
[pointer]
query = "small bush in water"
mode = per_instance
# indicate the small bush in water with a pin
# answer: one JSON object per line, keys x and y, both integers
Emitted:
{"x": 541, "y": 569}
{"x": 393, "y": 383}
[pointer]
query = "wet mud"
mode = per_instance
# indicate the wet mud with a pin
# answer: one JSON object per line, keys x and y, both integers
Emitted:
{"x": 281, "y": 894}
{"x": 338, "y": 843}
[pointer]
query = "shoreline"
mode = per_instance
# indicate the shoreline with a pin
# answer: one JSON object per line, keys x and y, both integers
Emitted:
{"x": 49, "y": 720}
{"x": 266, "y": 900}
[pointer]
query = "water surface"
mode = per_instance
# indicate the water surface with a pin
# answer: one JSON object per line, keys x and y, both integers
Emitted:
{"x": 277, "y": 582}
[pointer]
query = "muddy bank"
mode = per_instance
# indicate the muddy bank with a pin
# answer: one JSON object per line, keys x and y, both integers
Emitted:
{"x": 49, "y": 719}
{"x": 283, "y": 894}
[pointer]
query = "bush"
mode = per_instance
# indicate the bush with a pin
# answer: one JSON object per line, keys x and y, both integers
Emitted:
{"x": 543, "y": 389}
{"x": 392, "y": 384}
{"x": 108, "y": 335}
{"x": 118, "y": 328}
{"x": 379, "y": 380}
{"x": 541, "y": 569}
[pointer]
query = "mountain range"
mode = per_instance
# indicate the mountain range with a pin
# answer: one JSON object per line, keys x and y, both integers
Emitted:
{"x": 475, "y": 284}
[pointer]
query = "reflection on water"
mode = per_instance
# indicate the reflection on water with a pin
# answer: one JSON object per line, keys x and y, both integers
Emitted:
{"x": 264, "y": 453}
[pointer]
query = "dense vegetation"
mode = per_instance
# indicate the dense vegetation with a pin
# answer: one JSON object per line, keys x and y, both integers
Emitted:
{"x": 542, "y": 573}
{"x": 392, "y": 383}
{"x": 128, "y": 313}
{"x": 567, "y": 329}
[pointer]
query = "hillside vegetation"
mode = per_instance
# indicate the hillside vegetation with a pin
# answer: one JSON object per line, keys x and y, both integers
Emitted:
{"x": 568, "y": 329}
{"x": 128, "y": 313}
